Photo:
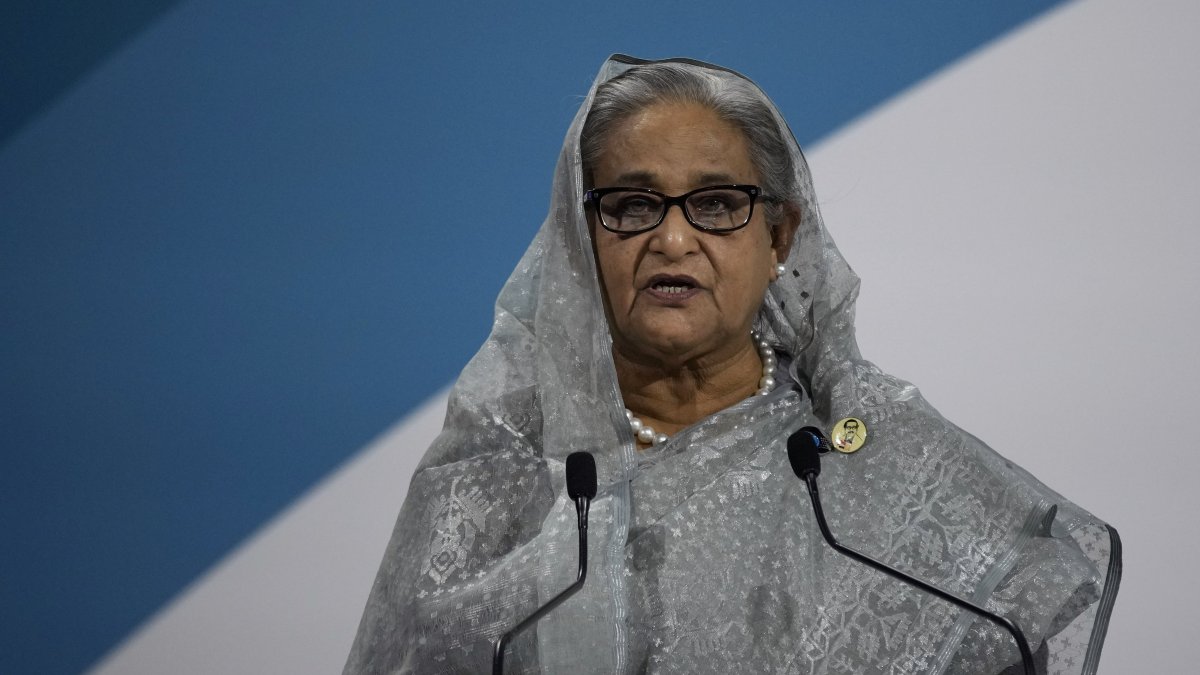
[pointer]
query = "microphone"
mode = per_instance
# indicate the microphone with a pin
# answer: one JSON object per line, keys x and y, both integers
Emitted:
{"x": 581, "y": 487}
{"x": 581, "y": 476}
{"x": 805, "y": 448}
{"x": 804, "y": 453}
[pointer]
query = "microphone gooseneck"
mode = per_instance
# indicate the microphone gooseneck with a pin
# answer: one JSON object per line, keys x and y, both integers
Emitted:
{"x": 804, "y": 453}
{"x": 581, "y": 487}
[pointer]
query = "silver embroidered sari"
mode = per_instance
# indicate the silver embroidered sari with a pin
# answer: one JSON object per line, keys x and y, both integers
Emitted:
{"x": 704, "y": 552}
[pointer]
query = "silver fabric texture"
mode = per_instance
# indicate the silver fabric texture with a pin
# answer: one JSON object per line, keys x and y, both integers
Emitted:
{"x": 704, "y": 552}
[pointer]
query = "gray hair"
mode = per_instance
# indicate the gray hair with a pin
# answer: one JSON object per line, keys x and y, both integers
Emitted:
{"x": 732, "y": 98}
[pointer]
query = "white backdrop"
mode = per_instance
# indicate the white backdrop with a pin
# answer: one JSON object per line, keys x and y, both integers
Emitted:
{"x": 1025, "y": 225}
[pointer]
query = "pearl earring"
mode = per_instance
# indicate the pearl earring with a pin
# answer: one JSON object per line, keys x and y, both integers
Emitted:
{"x": 779, "y": 270}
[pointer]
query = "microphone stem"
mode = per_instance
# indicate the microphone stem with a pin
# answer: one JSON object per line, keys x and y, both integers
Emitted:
{"x": 582, "y": 506}
{"x": 810, "y": 479}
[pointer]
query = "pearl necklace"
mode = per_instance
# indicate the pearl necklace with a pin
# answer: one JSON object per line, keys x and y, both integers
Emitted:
{"x": 646, "y": 433}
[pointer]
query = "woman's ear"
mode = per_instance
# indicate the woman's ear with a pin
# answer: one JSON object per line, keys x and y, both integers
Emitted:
{"x": 785, "y": 231}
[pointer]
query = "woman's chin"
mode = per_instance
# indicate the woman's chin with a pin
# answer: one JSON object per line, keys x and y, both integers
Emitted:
{"x": 671, "y": 347}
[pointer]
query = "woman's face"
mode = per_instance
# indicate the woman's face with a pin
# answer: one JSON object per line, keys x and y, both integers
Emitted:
{"x": 677, "y": 294}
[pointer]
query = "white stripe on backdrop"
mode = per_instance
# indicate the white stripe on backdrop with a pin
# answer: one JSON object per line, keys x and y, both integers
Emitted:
{"x": 1025, "y": 226}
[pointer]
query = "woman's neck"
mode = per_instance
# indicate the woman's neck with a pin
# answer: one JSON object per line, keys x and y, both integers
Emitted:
{"x": 670, "y": 398}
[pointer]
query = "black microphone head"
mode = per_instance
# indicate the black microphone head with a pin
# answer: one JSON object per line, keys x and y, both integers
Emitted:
{"x": 581, "y": 475}
{"x": 804, "y": 451}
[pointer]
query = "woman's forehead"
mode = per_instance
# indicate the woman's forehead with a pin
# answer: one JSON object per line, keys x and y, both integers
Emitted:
{"x": 672, "y": 144}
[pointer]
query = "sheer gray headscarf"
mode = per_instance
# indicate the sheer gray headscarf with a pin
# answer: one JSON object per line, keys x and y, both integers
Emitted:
{"x": 705, "y": 556}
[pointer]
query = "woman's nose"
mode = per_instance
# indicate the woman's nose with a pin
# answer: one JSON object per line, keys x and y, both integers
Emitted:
{"x": 674, "y": 237}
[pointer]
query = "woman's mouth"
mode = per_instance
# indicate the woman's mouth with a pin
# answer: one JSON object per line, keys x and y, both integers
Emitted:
{"x": 672, "y": 288}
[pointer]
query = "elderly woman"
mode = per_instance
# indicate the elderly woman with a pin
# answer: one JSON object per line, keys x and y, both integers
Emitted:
{"x": 679, "y": 315}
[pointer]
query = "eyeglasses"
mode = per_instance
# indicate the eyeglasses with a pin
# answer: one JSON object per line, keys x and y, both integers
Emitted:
{"x": 716, "y": 208}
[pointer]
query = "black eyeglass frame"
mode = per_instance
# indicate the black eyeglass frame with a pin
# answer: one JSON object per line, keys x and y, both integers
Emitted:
{"x": 594, "y": 195}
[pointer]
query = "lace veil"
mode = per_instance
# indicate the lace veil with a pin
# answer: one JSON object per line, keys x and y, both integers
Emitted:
{"x": 704, "y": 553}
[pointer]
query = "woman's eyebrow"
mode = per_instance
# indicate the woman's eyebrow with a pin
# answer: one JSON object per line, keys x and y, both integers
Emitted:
{"x": 714, "y": 179}
{"x": 635, "y": 179}
{"x": 650, "y": 179}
